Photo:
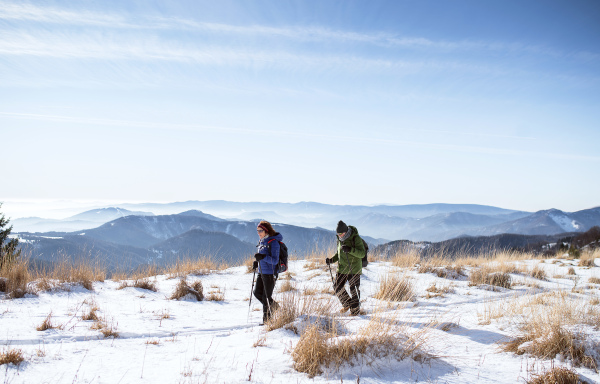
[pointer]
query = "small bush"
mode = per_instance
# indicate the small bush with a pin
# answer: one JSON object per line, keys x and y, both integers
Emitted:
{"x": 395, "y": 288}
{"x": 11, "y": 356}
{"x": 183, "y": 289}
{"x": 556, "y": 375}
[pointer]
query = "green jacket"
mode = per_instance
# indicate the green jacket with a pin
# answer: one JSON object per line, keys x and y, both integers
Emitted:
{"x": 350, "y": 262}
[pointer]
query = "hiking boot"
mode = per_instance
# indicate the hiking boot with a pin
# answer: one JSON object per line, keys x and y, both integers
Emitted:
{"x": 354, "y": 311}
{"x": 344, "y": 310}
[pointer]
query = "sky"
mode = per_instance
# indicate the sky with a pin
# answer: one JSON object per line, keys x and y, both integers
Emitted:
{"x": 340, "y": 102}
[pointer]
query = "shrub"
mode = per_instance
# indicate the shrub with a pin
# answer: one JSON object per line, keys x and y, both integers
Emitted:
{"x": 11, "y": 356}
{"x": 557, "y": 375}
{"x": 395, "y": 288}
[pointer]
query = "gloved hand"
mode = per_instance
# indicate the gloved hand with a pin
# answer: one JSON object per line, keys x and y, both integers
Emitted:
{"x": 259, "y": 256}
{"x": 254, "y": 265}
{"x": 346, "y": 248}
{"x": 327, "y": 260}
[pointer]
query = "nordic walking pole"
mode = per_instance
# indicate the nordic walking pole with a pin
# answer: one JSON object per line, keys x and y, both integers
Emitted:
{"x": 251, "y": 292}
{"x": 331, "y": 273}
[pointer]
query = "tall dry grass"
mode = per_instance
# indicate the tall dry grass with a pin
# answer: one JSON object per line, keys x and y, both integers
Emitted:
{"x": 318, "y": 349}
{"x": 394, "y": 287}
{"x": 551, "y": 324}
{"x": 587, "y": 258}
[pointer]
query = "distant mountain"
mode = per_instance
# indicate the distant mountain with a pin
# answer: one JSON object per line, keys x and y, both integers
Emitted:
{"x": 547, "y": 222}
{"x": 84, "y": 220}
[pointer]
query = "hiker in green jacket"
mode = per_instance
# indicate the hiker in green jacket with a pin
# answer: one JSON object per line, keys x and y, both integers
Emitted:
{"x": 349, "y": 255}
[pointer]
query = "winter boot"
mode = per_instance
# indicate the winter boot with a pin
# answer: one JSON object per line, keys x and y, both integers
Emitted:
{"x": 355, "y": 311}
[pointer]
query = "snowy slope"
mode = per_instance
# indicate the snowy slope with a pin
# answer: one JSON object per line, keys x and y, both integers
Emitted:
{"x": 169, "y": 341}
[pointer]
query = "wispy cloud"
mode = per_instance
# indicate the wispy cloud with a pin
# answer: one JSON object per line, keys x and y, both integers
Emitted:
{"x": 303, "y": 134}
{"x": 30, "y": 12}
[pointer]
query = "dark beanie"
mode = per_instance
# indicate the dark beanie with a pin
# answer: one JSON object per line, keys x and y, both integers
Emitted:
{"x": 342, "y": 227}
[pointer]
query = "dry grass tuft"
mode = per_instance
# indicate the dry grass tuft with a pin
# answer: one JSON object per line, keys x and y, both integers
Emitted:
{"x": 489, "y": 276}
{"x": 183, "y": 289}
{"x": 218, "y": 294}
{"x": 310, "y": 352}
{"x": 46, "y": 324}
{"x": 196, "y": 267}
{"x": 395, "y": 288}
{"x": 287, "y": 286}
{"x": 313, "y": 264}
{"x": 406, "y": 258}
{"x": 143, "y": 283}
{"x": 594, "y": 280}
{"x": 293, "y": 305}
{"x": 16, "y": 279}
{"x": 571, "y": 271}
{"x": 558, "y": 375}
{"x": 91, "y": 315}
{"x": 11, "y": 356}
{"x": 379, "y": 338}
{"x": 434, "y": 291}
{"x": 538, "y": 273}
{"x": 587, "y": 258}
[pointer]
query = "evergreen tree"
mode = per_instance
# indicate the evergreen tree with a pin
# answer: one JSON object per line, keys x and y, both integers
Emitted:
{"x": 8, "y": 247}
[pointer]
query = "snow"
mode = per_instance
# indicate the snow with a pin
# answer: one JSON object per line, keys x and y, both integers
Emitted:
{"x": 186, "y": 341}
{"x": 565, "y": 222}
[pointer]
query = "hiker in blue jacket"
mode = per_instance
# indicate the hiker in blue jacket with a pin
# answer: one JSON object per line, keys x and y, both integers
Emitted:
{"x": 267, "y": 262}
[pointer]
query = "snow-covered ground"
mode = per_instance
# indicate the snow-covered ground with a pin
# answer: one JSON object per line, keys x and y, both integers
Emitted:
{"x": 170, "y": 341}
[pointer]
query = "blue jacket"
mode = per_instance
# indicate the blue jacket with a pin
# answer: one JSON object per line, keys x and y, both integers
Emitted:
{"x": 270, "y": 264}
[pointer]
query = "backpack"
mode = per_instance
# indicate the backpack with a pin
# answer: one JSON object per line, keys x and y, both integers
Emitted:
{"x": 365, "y": 261}
{"x": 283, "y": 256}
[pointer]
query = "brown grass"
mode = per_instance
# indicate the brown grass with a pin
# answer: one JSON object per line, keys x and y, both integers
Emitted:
{"x": 317, "y": 349}
{"x": 406, "y": 258}
{"x": 571, "y": 271}
{"x": 143, "y": 283}
{"x": 68, "y": 272}
{"x": 587, "y": 258}
{"x": 183, "y": 288}
{"x": 91, "y": 315}
{"x": 489, "y": 276}
{"x": 538, "y": 273}
{"x": 293, "y": 305}
{"x": 594, "y": 280}
{"x": 287, "y": 286}
{"x": 196, "y": 267}
{"x": 548, "y": 326}
{"x": 556, "y": 375}
{"x": 11, "y": 356}
{"x": 46, "y": 324}
{"x": 434, "y": 291}
{"x": 395, "y": 288}
{"x": 217, "y": 294}
{"x": 17, "y": 279}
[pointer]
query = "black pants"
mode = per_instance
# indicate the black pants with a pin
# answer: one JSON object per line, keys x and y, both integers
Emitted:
{"x": 263, "y": 291}
{"x": 340, "y": 290}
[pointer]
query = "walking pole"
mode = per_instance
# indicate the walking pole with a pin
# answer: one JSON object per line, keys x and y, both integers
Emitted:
{"x": 331, "y": 273}
{"x": 251, "y": 291}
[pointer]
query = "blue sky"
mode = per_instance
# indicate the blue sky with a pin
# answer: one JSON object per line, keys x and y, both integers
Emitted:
{"x": 343, "y": 102}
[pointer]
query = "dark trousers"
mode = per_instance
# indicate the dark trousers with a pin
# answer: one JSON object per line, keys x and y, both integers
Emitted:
{"x": 263, "y": 290}
{"x": 352, "y": 300}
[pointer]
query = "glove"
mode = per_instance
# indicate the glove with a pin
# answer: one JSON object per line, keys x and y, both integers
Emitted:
{"x": 254, "y": 265}
{"x": 259, "y": 256}
{"x": 346, "y": 248}
{"x": 327, "y": 260}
